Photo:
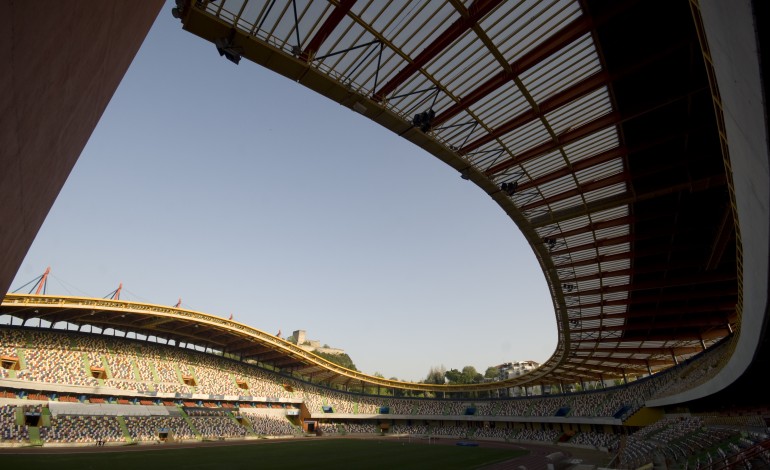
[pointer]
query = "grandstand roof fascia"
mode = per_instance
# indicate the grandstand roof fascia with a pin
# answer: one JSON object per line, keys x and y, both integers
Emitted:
{"x": 197, "y": 326}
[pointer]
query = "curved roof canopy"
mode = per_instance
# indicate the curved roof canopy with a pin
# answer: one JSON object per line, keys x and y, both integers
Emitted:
{"x": 592, "y": 123}
{"x": 203, "y": 332}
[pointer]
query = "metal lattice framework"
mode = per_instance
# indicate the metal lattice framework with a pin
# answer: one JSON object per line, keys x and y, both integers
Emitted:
{"x": 606, "y": 152}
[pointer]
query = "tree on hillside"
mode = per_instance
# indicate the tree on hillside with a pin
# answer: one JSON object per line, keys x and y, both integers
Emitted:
{"x": 436, "y": 375}
{"x": 468, "y": 375}
{"x": 492, "y": 373}
{"x": 471, "y": 375}
{"x": 340, "y": 359}
{"x": 454, "y": 376}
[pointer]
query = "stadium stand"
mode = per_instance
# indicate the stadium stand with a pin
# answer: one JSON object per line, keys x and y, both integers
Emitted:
{"x": 143, "y": 398}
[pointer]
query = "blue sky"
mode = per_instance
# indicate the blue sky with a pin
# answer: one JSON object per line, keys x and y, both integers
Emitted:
{"x": 244, "y": 193}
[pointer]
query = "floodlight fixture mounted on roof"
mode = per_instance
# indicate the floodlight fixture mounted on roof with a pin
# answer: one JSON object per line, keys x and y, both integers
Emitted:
{"x": 227, "y": 48}
{"x": 424, "y": 120}
{"x": 177, "y": 11}
{"x": 509, "y": 188}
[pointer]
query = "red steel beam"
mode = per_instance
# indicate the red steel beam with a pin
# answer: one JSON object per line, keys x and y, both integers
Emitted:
{"x": 631, "y": 366}
{"x": 658, "y": 284}
{"x": 623, "y": 360}
{"x": 708, "y": 308}
{"x": 625, "y": 365}
{"x": 566, "y": 35}
{"x": 477, "y": 11}
{"x": 655, "y": 299}
{"x": 602, "y": 275}
{"x": 637, "y": 270}
{"x": 588, "y": 367}
{"x": 690, "y": 335}
{"x": 612, "y": 118}
{"x": 596, "y": 244}
{"x": 582, "y": 189}
{"x": 597, "y": 260}
{"x": 616, "y": 222}
{"x": 607, "y": 241}
{"x": 597, "y": 159}
{"x": 563, "y": 97}
{"x": 588, "y": 128}
{"x": 655, "y": 324}
{"x": 595, "y": 226}
{"x": 617, "y": 200}
{"x": 331, "y": 22}
{"x": 616, "y": 257}
{"x": 653, "y": 350}
{"x": 571, "y": 32}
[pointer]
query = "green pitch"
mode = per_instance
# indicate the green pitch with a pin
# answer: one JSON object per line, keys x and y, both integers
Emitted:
{"x": 303, "y": 454}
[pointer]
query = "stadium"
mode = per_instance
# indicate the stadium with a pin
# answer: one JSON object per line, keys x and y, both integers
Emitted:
{"x": 627, "y": 142}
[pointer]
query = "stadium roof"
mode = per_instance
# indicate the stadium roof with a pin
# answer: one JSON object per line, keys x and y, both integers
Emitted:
{"x": 595, "y": 125}
{"x": 591, "y": 123}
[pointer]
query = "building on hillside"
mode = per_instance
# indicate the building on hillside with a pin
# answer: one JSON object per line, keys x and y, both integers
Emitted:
{"x": 311, "y": 345}
{"x": 509, "y": 370}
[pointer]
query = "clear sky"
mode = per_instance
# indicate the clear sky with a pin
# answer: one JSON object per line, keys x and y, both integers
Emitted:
{"x": 244, "y": 193}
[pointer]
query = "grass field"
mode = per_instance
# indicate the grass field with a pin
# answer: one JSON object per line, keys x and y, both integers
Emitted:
{"x": 304, "y": 454}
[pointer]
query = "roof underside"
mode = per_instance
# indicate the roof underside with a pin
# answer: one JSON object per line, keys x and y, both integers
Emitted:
{"x": 591, "y": 123}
